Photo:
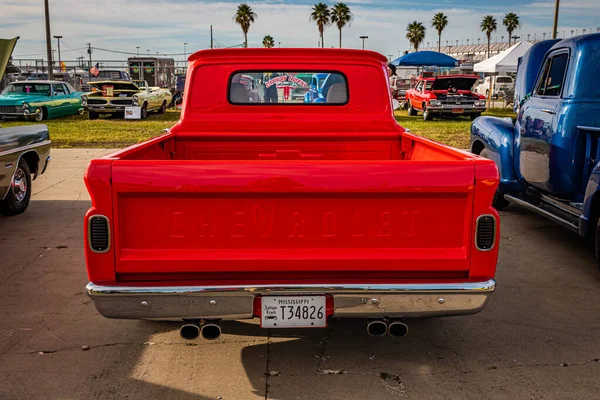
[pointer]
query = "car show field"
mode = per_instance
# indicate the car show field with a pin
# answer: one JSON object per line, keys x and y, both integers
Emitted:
{"x": 340, "y": 208}
{"x": 78, "y": 131}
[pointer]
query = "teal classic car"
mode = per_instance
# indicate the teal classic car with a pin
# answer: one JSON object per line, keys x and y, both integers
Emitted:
{"x": 38, "y": 100}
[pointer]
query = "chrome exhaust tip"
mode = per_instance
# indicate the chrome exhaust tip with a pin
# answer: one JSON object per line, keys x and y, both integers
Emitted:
{"x": 211, "y": 330}
{"x": 377, "y": 328}
{"x": 190, "y": 330}
{"x": 398, "y": 329}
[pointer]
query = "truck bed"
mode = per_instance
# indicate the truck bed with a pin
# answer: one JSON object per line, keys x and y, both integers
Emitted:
{"x": 282, "y": 207}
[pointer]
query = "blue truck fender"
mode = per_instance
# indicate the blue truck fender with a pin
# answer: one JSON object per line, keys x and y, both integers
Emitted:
{"x": 591, "y": 203}
{"x": 497, "y": 136}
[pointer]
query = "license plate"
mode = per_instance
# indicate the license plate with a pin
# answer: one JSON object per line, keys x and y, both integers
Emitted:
{"x": 293, "y": 312}
{"x": 458, "y": 110}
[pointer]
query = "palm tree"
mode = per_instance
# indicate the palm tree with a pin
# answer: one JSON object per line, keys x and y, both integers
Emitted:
{"x": 511, "y": 22}
{"x": 415, "y": 33}
{"x": 322, "y": 17}
{"x": 341, "y": 16}
{"x": 488, "y": 25}
{"x": 268, "y": 42}
{"x": 244, "y": 16}
{"x": 439, "y": 22}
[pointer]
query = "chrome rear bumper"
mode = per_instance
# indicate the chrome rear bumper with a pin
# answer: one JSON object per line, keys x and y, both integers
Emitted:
{"x": 237, "y": 302}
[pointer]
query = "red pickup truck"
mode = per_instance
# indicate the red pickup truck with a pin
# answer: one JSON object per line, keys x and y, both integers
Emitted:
{"x": 290, "y": 212}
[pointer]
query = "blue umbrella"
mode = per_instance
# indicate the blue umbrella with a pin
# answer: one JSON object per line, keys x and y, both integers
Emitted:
{"x": 425, "y": 59}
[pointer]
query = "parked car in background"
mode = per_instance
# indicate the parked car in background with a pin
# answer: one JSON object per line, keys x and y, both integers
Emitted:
{"x": 448, "y": 95}
{"x": 500, "y": 85}
{"x": 24, "y": 153}
{"x": 292, "y": 214}
{"x": 37, "y": 77}
{"x": 39, "y": 100}
{"x": 111, "y": 97}
{"x": 549, "y": 157}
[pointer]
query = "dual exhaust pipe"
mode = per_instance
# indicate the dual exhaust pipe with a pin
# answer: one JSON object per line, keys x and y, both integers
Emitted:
{"x": 209, "y": 330}
{"x": 379, "y": 327}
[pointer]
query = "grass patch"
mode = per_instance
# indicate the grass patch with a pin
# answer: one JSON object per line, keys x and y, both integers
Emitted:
{"x": 453, "y": 132}
{"x": 106, "y": 132}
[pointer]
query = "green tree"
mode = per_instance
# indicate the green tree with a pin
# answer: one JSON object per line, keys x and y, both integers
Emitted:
{"x": 245, "y": 17}
{"x": 511, "y": 22}
{"x": 321, "y": 15}
{"x": 268, "y": 42}
{"x": 341, "y": 16}
{"x": 488, "y": 25}
{"x": 439, "y": 22}
{"x": 415, "y": 33}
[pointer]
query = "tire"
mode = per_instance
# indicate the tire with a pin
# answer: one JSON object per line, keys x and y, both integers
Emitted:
{"x": 499, "y": 202}
{"x": 474, "y": 116}
{"x": 427, "y": 115}
{"x": 163, "y": 108}
{"x": 19, "y": 194}
{"x": 93, "y": 115}
{"x": 411, "y": 111}
{"x": 144, "y": 112}
{"x": 40, "y": 115}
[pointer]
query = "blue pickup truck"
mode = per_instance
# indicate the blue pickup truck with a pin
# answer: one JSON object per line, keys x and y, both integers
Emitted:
{"x": 549, "y": 157}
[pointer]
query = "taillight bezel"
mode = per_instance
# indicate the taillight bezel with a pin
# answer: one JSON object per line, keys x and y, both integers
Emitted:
{"x": 495, "y": 234}
{"x": 89, "y": 232}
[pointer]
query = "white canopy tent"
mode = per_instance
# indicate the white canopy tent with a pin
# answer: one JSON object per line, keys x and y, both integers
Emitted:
{"x": 506, "y": 61}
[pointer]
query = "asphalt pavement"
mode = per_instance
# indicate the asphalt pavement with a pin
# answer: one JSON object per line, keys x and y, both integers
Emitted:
{"x": 539, "y": 338}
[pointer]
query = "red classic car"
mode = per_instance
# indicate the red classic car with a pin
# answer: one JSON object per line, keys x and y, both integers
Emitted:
{"x": 293, "y": 213}
{"x": 445, "y": 95}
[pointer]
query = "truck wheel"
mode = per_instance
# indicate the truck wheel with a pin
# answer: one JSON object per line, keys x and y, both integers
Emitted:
{"x": 19, "y": 194}
{"x": 144, "y": 112}
{"x": 474, "y": 116}
{"x": 163, "y": 108}
{"x": 427, "y": 115}
{"x": 411, "y": 111}
{"x": 499, "y": 202}
{"x": 93, "y": 115}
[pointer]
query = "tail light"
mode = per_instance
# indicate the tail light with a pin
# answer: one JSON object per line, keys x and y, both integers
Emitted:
{"x": 99, "y": 233}
{"x": 485, "y": 232}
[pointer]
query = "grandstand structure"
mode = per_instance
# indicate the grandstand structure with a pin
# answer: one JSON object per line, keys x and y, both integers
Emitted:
{"x": 473, "y": 52}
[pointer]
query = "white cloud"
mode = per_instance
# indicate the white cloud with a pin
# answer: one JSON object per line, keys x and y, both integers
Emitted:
{"x": 163, "y": 26}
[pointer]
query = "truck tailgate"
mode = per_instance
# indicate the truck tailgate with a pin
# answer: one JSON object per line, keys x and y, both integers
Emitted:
{"x": 242, "y": 219}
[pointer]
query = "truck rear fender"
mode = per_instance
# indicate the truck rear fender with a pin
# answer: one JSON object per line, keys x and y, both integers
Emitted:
{"x": 497, "y": 136}
{"x": 591, "y": 204}
{"x": 483, "y": 262}
{"x": 100, "y": 265}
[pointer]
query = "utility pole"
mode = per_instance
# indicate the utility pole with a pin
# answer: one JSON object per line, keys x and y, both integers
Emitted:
{"x": 555, "y": 26}
{"x": 211, "y": 38}
{"x": 58, "y": 37}
{"x": 138, "y": 50}
{"x": 89, "y": 50}
{"x": 48, "y": 42}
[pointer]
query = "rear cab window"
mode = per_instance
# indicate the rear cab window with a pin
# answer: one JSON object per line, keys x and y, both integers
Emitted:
{"x": 278, "y": 87}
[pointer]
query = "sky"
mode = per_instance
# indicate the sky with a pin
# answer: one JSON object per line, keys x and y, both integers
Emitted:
{"x": 163, "y": 26}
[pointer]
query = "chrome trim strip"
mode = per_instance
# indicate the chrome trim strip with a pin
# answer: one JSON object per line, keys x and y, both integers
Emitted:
{"x": 477, "y": 231}
{"x": 589, "y": 128}
{"x": 89, "y": 228}
{"x": 237, "y": 302}
{"x": 23, "y": 148}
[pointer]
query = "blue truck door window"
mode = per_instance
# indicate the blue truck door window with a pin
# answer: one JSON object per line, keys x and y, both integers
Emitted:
{"x": 538, "y": 147}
